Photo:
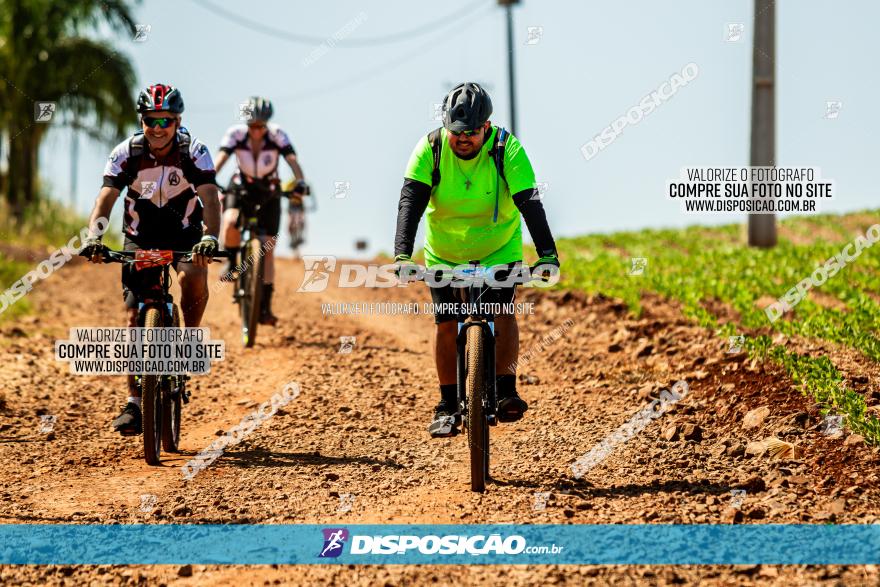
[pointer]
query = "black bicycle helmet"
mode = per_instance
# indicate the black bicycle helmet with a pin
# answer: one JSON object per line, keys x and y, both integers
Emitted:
{"x": 259, "y": 109}
{"x": 466, "y": 107}
{"x": 160, "y": 97}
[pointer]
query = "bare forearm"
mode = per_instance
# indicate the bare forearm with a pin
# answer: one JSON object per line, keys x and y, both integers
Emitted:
{"x": 221, "y": 160}
{"x": 103, "y": 206}
{"x": 211, "y": 202}
{"x": 295, "y": 167}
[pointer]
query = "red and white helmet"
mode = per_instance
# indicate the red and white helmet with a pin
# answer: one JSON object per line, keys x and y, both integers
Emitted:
{"x": 160, "y": 97}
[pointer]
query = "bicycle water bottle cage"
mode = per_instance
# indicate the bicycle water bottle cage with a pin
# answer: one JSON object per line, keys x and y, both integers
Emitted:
{"x": 147, "y": 259}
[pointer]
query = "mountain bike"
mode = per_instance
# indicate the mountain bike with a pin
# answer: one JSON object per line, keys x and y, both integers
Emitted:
{"x": 297, "y": 213}
{"x": 161, "y": 395}
{"x": 475, "y": 361}
{"x": 248, "y": 292}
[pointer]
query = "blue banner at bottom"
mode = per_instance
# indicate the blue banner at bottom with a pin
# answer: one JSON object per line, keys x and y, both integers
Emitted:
{"x": 652, "y": 544}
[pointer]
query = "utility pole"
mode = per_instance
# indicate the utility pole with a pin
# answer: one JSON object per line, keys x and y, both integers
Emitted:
{"x": 762, "y": 227}
{"x": 74, "y": 163}
{"x": 511, "y": 78}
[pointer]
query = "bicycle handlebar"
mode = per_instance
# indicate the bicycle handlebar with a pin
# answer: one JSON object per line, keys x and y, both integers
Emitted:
{"x": 470, "y": 272}
{"x": 111, "y": 256}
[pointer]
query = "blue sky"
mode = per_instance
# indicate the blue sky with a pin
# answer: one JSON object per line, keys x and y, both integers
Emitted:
{"x": 354, "y": 114}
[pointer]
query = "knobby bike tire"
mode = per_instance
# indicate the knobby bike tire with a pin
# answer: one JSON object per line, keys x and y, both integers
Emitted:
{"x": 171, "y": 404}
{"x": 252, "y": 290}
{"x": 151, "y": 401}
{"x": 477, "y": 425}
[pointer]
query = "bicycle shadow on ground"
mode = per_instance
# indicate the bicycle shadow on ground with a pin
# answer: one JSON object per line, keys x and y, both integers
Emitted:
{"x": 22, "y": 439}
{"x": 586, "y": 490}
{"x": 247, "y": 459}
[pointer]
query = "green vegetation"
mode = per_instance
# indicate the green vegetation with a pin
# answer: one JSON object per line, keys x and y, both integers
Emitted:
{"x": 819, "y": 379}
{"x": 710, "y": 270}
{"x": 47, "y": 53}
{"x": 10, "y": 271}
{"x": 46, "y": 225}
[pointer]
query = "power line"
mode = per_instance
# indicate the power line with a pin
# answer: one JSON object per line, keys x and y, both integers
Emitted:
{"x": 372, "y": 72}
{"x": 242, "y": 21}
{"x": 364, "y": 75}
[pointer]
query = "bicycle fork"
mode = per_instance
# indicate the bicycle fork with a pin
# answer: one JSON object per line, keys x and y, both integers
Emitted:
{"x": 489, "y": 398}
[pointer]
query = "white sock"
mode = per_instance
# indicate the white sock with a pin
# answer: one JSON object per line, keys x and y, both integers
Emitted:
{"x": 134, "y": 400}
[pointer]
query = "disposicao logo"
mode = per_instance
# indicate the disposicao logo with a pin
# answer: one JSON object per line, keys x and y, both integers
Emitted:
{"x": 317, "y": 272}
{"x": 334, "y": 540}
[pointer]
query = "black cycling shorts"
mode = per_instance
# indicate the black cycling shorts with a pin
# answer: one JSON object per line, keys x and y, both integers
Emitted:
{"x": 269, "y": 215}
{"x": 139, "y": 285}
{"x": 453, "y": 295}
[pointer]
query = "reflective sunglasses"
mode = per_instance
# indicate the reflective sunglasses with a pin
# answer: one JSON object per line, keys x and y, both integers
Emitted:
{"x": 467, "y": 133}
{"x": 152, "y": 122}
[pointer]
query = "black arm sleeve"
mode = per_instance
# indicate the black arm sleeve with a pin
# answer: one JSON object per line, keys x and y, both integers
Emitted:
{"x": 414, "y": 198}
{"x": 536, "y": 221}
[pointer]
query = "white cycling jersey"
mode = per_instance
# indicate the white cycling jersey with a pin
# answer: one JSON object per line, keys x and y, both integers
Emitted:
{"x": 276, "y": 144}
{"x": 161, "y": 202}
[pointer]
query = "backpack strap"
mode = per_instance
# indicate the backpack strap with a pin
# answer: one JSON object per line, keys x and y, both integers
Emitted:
{"x": 184, "y": 141}
{"x": 497, "y": 153}
{"x": 436, "y": 142}
{"x": 137, "y": 148}
{"x": 135, "y": 155}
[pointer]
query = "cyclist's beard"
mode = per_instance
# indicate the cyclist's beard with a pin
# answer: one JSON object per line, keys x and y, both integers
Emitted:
{"x": 476, "y": 151}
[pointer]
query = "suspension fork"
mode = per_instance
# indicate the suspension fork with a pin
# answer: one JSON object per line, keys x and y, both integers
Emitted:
{"x": 488, "y": 326}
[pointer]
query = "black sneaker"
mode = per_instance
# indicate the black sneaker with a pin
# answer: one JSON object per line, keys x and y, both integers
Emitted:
{"x": 446, "y": 420}
{"x": 266, "y": 315}
{"x": 128, "y": 423}
{"x": 511, "y": 407}
{"x": 268, "y": 318}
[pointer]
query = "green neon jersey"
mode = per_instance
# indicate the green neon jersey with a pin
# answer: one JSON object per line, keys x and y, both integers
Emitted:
{"x": 459, "y": 226}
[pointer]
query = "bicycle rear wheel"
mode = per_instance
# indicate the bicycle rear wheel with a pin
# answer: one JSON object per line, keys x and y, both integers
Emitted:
{"x": 477, "y": 426}
{"x": 151, "y": 401}
{"x": 251, "y": 290}
{"x": 171, "y": 400}
{"x": 297, "y": 228}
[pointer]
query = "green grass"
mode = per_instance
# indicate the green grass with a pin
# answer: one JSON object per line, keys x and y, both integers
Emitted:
{"x": 698, "y": 265}
{"x": 47, "y": 225}
{"x": 11, "y": 271}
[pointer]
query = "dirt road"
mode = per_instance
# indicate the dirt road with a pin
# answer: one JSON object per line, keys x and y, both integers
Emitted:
{"x": 352, "y": 447}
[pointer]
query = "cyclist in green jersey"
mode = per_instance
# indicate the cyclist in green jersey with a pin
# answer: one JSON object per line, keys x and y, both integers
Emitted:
{"x": 474, "y": 202}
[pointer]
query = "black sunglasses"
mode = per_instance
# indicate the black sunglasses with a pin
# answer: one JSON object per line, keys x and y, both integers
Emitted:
{"x": 467, "y": 133}
{"x": 163, "y": 122}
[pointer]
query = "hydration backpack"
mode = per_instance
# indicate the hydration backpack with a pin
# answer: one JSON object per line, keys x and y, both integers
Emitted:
{"x": 496, "y": 152}
{"x": 137, "y": 148}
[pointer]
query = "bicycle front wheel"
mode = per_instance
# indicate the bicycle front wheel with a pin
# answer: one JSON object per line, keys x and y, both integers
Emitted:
{"x": 171, "y": 400}
{"x": 151, "y": 401}
{"x": 251, "y": 290}
{"x": 477, "y": 425}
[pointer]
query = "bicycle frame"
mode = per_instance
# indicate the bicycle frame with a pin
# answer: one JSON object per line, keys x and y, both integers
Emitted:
{"x": 165, "y": 303}
{"x": 470, "y": 295}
